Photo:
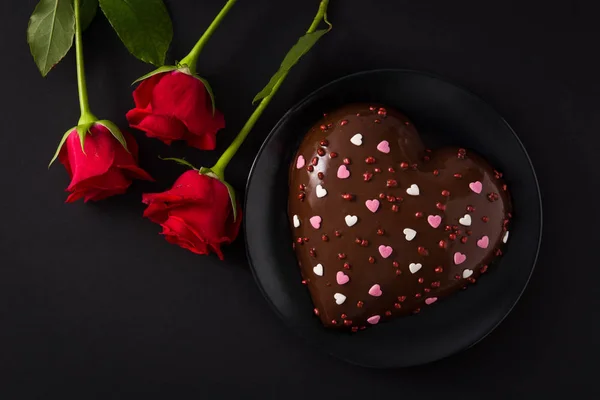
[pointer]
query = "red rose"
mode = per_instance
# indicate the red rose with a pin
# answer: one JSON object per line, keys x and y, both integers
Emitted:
{"x": 106, "y": 168}
{"x": 195, "y": 214}
{"x": 176, "y": 106}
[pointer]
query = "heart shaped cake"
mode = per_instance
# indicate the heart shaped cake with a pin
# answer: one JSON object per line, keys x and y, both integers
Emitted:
{"x": 383, "y": 226}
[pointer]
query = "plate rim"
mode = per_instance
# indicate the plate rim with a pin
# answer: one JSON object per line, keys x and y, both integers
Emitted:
{"x": 298, "y": 105}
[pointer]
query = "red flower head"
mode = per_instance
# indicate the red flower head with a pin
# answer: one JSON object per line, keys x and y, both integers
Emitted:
{"x": 176, "y": 105}
{"x": 196, "y": 214}
{"x": 105, "y": 169}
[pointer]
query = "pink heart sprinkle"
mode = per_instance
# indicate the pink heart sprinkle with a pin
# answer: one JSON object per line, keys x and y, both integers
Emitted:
{"x": 315, "y": 221}
{"x": 430, "y": 300}
{"x": 384, "y": 147}
{"x": 300, "y": 162}
{"x": 374, "y": 319}
{"x": 459, "y": 258}
{"x": 343, "y": 172}
{"x": 434, "y": 220}
{"x": 372, "y": 205}
{"x": 375, "y": 291}
{"x": 342, "y": 278}
{"x": 476, "y": 186}
{"x": 385, "y": 251}
{"x": 483, "y": 242}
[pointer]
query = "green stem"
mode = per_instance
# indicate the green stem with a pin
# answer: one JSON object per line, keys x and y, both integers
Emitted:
{"x": 224, "y": 160}
{"x": 86, "y": 113}
{"x": 191, "y": 59}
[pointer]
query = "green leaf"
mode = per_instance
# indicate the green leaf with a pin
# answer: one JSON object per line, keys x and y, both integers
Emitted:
{"x": 50, "y": 33}
{"x": 230, "y": 189}
{"x": 210, "y": 92}
{"x": 60, "y": 145}
{"x": 180, "y": 161}
{"x": 159, "y": 70}
{"x": 304, "y": 44}
{"x": 115, "y": 131}
{"x": 144, "y": 26}
{"x": 88, "y": 10}
{"x": 83, "y": 130}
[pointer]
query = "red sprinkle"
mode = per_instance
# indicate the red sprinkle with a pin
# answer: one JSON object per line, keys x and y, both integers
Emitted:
{"x": 346, "y": 266}
{"x": 485, "y": 219}
{"x": 380, "y": 232}
{"x": 395, "y": 208}
{"x": 338, "y": 234}
{"x": 325, "y": 238}
{"x": 421, "y": 280}
{"x": 418, "y": 295}
{"x": 314, "y": 161}
{"x": 367, "y": 176}
{"x": 378, "y": 170}
{"x": 310, "y": 168}
{"x": 301, "y": 196}
{"x": 364, "y": 243}
{"x": 313, "y": 252}
{"x": 440, "y": 206}
{"x": 333, "y": 322}
{"x": 457, "y": 176}
{"x": 346, "y": 161}
{"x": 371, "y": 108}
{"x": 504, "y": 187}
{"x": 414, "y": 167}
{"x": 464, "y": 239}
{"x": 493, "y": 196}
{"x": 357, "y": 240}
{"x": 426, "y": 158}
{"x": 320, "y": 152}
{"x": 436, "y": 172}
{"x": 392, "y": 170}
{"x": 306, "y": 240}
{"x": 388, "y": 313}
{"x": 377, "y": 121}
{"x": 342, "y": 256}
{"x": 354, "y": 329}
{"x": 398, "y": 272}
{"x": 302, "y": 186}
{"x": 457, "y": 277}
{"x": 419, "y": 214}
{"x": 462, "y": 154}
{"x": 435, "y": 284}
{"x": 316, "y": 311}
{"x": 452, "y": 236}
{"x": 347, "y": 196}
{"x": 321, "y": 175}
{"x": 343, "y": 316}
{"x": 498, "y": 252}
{"x": 422, "y": 251}
{"x": 416, "y": 311}
{"x": 445, "y": 193}
{"x": 324, "y": 142}
{"x": 333, "y": 154}
{"x": 372, "y": 260}
{"x": 483, "y": 269}
{"x": 404, "y": 165}
{"x": 397, "y": 305}
{"x": 439, "y": 269}
{"x": 391, "y": 199}
{"x": 299, "y": 240}
{"x": 442, "y": 244}
{"x": 447, "y": 228}
{"x": 370, "y": 160}
{"x": 347, "y": 322}
{"x": 395, "y": 264}
{"x": 401, "y": 299}
{"x": 304, "y": 282}
{"x": 469, "y": 232}
{"x": 359, "y": 304}
{"x": 470, "y": 209}
{"x": 391, "y": 183}
{"x": 497, "y": 174}
{"x": 382, "y": 196}
{"x": 323, "y": 127}
{"x": 343, "y": 122}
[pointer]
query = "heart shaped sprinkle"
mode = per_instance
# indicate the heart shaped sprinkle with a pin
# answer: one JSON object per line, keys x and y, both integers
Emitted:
{"x": 296, "y": 221}
{"x": 430, "y": 300}
{"x": 409, "y": 234}
{"x": 413, "y": 190}
{"x": 300, "y": 162}
{"x": 318, "y": 270}
{"x": 476, "y": 187}
{"x": 384, "y": 146}
{"x": 356, "y": 139}
{"x": 466, "y": 220}
{"x": 467, "y": 273}
{"x": 415, "y": 267}
{"x": 484, "y": 242}
{"x": 351, "y": 220}
{"x": 375, "y": 291}
{"x": 343, "y": 172}
{"x": 505, "y": 238}
{"x": 434, "y": 220}
{"x": 374, "y": 319}
{"x": 459, "y": 258}
{"x": 339, "y": 298}
{"x": 385, "y": 251}
{"x": 315, "y": 221}
{"x": 341, "y": 278}
{"x": 321, "y": 191}
{"x": 372, "y": 205}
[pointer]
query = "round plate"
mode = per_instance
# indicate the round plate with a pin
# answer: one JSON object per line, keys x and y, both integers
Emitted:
{"x": 444, "y": 114}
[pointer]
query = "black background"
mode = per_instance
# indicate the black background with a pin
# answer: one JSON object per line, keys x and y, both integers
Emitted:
{"x": 94, "y": 303}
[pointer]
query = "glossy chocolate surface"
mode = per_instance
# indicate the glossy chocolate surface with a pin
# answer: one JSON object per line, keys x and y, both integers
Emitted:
{"x": 364, "y": 273}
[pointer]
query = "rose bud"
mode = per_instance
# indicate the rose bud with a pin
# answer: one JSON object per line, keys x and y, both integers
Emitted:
{"x": 99, "y": 165}
{"x": 176, "y": 105}
{"x": 196, "y": 213}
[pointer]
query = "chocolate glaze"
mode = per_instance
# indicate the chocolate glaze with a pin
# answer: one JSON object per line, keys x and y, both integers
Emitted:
{"x": 443, "y": 177}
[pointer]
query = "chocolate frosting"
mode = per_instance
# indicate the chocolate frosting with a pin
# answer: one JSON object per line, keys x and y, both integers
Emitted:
{"x": 384, "y": 227}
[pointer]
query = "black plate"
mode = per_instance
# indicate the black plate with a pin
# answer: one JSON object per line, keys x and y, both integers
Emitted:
{"x": 444, "y": 114}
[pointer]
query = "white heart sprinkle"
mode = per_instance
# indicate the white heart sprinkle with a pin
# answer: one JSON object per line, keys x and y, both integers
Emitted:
{"x": 296, "y": 221}
{"x": 351, "y": 220}
{"x": 414, "y": 268}
{"x": 321, "y": 191}
{"x": 467, "y": 273}
{"x": 409, "y": 234}
{"x": 356, "y": 139}
{"x": 466, "y": 220}
{"x": 413, "y": 190}
{"x": 505, "y": 238}
{"x": 318, "y": 270}
{"x": 339, "y": 298}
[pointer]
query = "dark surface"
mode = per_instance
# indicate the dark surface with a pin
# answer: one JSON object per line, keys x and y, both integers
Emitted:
{"x": 93, "y": 302}
{"x": 437, "y": 109}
